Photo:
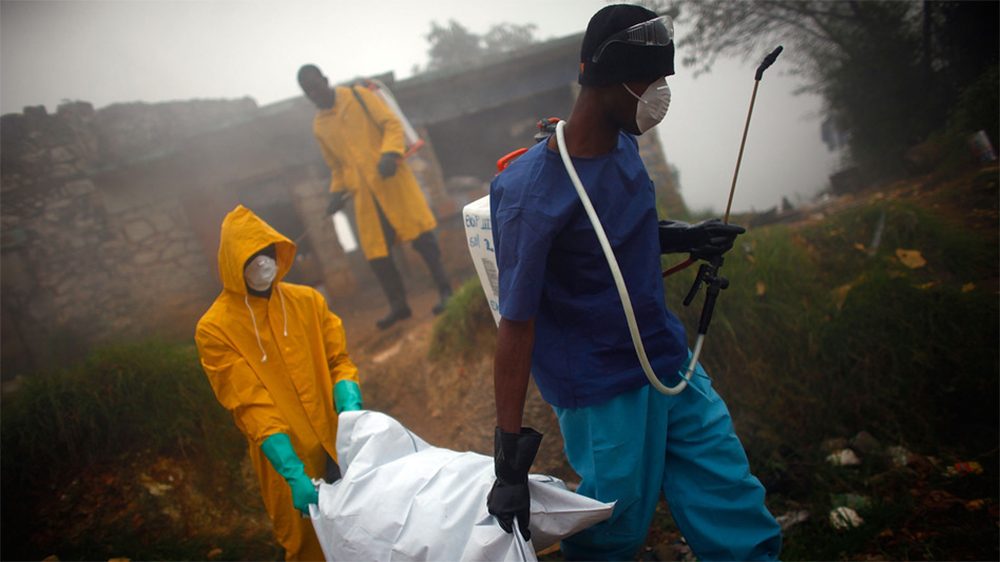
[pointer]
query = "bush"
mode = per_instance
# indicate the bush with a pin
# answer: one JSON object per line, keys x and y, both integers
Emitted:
{"x": 818, "y": 337}
{"x": 144, "y": 396}
{"x": 467, "y": 327}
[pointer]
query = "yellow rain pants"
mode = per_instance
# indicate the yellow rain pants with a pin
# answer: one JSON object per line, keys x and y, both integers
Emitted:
{"x": 352, "y": 143}
{"x": 282, "y": 382}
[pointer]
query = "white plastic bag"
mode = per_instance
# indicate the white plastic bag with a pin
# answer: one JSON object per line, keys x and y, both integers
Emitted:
{"x": 402, "y": 499}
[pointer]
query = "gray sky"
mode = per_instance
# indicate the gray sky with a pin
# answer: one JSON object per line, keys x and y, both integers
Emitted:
{"x": 155, "y": 50}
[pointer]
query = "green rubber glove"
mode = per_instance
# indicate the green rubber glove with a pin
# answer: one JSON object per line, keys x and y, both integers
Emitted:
{"x": 278, "y": 449}
{"x": 347, "y": 396}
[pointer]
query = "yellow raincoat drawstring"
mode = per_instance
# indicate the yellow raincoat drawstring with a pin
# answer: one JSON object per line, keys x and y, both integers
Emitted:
{"x": 253, "y": 319}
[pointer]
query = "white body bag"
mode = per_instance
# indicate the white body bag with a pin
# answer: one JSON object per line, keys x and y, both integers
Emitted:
{"x": 402, "y": 499}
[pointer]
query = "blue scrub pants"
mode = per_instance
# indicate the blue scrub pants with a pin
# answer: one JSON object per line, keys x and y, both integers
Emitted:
{"x": 629, "y": 448}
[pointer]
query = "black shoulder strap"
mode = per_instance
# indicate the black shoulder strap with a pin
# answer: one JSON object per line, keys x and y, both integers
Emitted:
{"x": 364, "y": 106}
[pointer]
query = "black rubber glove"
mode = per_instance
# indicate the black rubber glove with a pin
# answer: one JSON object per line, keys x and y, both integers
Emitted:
{"x": 387, "y": 164}
{"x": 702, "y": 240}
{"x": 337, "y": 201}
{"x": 332, "y": 472}
{"x": 513, "y": 454}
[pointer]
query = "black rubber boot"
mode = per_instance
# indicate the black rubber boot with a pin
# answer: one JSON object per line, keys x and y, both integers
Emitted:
{"x": 392, "y": 285}
{"x": 426, "y": 245}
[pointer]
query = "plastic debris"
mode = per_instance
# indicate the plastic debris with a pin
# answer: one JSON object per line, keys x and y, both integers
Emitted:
{"x": 981, "y": 148}
{"x": 683, "y": 551}
{"x": 761, "y": 288}
{"x": 963, "y": 468}
{"x": 845, "y": 518}
{"x": 792, "y": 518}
{"x": 844, "y": 457}
{"x": 877, "y": 238}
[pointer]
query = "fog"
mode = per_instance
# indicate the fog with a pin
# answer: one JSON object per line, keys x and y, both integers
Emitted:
{"x": 150, "y": 51}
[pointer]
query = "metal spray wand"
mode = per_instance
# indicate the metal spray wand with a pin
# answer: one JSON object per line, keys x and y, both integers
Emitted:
{"x": 708, "y": 273}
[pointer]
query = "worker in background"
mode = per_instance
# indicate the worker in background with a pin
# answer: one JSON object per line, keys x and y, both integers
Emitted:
{"x": 362, "y": 142}
{"x": 276, "y": 358}
{"x": 562, "y": 320}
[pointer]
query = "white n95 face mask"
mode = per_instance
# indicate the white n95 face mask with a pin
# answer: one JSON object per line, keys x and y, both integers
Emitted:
{"x": 652, "y": 106}
{"x": 260, "y": 273}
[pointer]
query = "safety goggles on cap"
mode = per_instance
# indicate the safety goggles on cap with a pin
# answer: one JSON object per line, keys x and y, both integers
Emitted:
{"x": 657, "y": 32}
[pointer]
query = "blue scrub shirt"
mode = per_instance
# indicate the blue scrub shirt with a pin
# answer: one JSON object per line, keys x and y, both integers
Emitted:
{"x": 552, "y": 269}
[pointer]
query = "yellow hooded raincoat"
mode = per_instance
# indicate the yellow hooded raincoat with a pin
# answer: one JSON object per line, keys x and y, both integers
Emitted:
{"x": 282, "y": 382}
{"x": 352, "y": 143}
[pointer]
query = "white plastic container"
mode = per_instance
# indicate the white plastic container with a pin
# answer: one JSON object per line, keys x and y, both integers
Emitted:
{"x": 479, "y": 237}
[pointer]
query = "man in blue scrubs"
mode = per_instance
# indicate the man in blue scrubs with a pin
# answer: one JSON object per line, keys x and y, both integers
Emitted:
{"x": 562, "y": 320}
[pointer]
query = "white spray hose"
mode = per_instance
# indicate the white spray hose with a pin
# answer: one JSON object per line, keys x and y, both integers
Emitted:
{"x": 616, "y": 273}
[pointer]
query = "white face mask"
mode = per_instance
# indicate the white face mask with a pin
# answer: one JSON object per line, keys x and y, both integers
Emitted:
{"x": 260, "y": 273}
{"x": 653, "y": 104}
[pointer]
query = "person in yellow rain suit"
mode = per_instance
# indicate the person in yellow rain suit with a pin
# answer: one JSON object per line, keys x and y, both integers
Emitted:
{"x": 276, "y": 358}
{"x": 362, "y": 142}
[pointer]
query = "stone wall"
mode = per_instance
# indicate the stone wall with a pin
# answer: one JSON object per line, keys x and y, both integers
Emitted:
{"x": 86, "y": 258}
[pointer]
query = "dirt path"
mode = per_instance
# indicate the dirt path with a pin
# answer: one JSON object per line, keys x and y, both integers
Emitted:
{"x": 449, "y": 403}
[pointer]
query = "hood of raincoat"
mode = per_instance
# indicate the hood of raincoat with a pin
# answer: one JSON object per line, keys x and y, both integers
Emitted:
{"x": 243, "y": 235}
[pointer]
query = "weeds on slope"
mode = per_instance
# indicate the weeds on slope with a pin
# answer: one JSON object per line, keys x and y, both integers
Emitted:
{"x": 881, "y": 318}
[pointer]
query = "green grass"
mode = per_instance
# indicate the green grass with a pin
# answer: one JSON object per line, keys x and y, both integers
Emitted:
{"x": 150, "y": 396}
{"x": 817, "y": 339}
{"x": 953, "y": 254}
{"x": 890, "y": 342}
{"x": 157, "y": 543}
{"x": 99, "y": 424}
{"x": 466, "y": 327}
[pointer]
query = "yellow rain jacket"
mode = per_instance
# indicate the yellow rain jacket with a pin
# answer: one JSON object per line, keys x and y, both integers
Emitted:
{"x": 282, "y": 382}
{"x": 352, "y": 143}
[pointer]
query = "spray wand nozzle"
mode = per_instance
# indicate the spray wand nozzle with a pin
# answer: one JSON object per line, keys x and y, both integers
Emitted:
{"x": 767, "y": 62}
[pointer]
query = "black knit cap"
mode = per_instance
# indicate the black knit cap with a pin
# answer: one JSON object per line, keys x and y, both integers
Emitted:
{"x": 621, "y": 62}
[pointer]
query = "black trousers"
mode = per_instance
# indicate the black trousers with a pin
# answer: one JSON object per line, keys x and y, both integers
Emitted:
{"x": 388, "y": 274}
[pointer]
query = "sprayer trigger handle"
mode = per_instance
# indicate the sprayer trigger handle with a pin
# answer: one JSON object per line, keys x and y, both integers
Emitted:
{"x": 697, "y": 284}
